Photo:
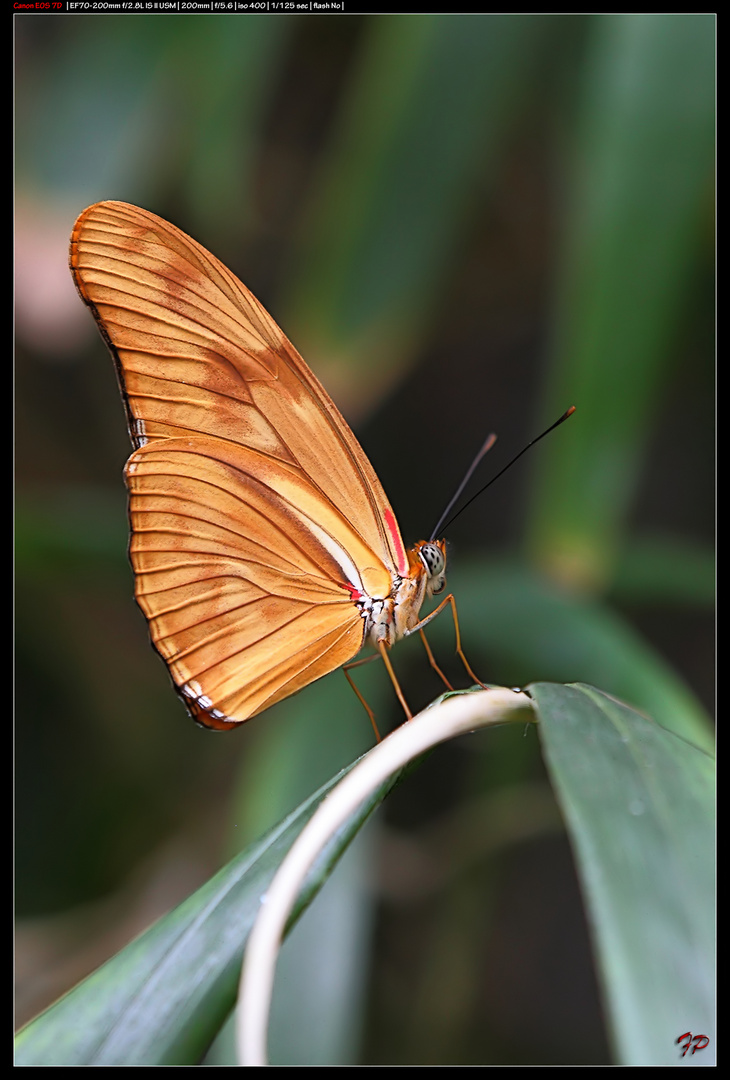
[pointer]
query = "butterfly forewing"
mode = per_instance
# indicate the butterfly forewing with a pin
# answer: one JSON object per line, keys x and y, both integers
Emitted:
{"x": 255, "y": 513}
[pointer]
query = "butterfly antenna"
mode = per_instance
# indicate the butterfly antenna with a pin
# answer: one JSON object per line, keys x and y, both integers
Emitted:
{"x": 488, "y": 444}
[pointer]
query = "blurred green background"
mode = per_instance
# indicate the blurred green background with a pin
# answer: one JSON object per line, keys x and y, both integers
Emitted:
{"x": 465, "y": 223}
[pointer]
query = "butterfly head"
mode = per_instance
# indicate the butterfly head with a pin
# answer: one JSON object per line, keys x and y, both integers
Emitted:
{"x": 432, "y": 555}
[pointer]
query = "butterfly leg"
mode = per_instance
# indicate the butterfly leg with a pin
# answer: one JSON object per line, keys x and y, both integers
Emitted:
{"x": 383, "y": 650}
{"x": 361, "y": 699}
{"x": 424, "y": 622}
{"x": 432, "y": 660}
{"x": 459, "y": 649}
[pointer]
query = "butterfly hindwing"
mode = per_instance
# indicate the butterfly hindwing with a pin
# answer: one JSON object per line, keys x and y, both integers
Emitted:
{"x": 255, "y": 513}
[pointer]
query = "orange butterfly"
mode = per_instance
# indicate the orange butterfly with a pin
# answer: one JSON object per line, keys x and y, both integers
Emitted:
{"x": 265, "y": 551}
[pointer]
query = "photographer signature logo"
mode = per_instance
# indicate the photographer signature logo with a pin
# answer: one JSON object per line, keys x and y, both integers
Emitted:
{"x": 700, "y": 1041}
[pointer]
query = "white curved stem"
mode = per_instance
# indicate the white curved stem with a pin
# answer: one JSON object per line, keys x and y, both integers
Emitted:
{"x": 453, "y": 716}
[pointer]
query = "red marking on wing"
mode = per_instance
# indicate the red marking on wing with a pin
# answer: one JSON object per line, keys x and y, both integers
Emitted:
{"x": 400, "y": 552}
{"x": 355, "y": 594}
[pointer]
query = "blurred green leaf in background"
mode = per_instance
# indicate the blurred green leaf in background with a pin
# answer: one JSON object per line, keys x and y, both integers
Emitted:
{"x": 638, "y": 803}
{"x": 466, "y": 223}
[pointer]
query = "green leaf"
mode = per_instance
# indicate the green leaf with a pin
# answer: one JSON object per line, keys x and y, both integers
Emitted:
{"x": 638, "y": 220}
{"x": 528, "y": 624}
{"x": 68, "y": 528}
{"x": 230, "y": 73}
{"x": 638, "y": 803}
{"x": 422, "y": 121}
{"x": 163, "y": 999}
{"x": 665, "y": 570}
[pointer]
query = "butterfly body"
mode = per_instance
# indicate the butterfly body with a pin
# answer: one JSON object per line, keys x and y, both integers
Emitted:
{"x": 388, "y": 619}
{"x": 265, "y": 551}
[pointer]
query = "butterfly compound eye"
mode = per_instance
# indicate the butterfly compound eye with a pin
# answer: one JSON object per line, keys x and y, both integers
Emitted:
{"x": 434, "y": 560}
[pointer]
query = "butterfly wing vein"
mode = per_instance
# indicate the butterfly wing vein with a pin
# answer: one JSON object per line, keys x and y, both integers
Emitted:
{"x": 254, "y": 511}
